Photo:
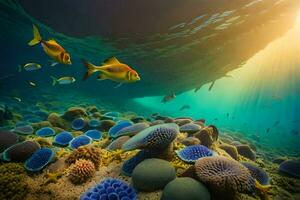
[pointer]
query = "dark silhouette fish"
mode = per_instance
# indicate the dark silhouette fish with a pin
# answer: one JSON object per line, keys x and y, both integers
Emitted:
{"x": 184, "y": 107}
{"x": 276, "y": 123}
{"x": 268, "y": 130}
{"x": 227, "y": 115}
{"x": 168, "y": 98}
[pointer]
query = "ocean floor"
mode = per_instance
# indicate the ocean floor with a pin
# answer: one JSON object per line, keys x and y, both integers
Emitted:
{"x": 54, "y": 149}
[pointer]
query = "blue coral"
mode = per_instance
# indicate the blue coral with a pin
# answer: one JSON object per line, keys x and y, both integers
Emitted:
{"x": 94, "y": 123}
{"x": 111, "y": 189}
{"x": 62, "y": 139}
{"x": 190, "y": 128}
{"x": 45, "y": 132}
{"x": 39, "y": 159}
{"x": 154, "y": 137}
{"x": 132, "y": 130}
{"x": 193, "y": 153}
{"x": 78, "y": 124}
{"x": 130, "y": 164}
{"x": 120, "y": 125}
{"x": 259, "y": 174}
{"x": 94, "y": 134}
{"x": 290, "y": 167}
{"x": 80, "y": 140}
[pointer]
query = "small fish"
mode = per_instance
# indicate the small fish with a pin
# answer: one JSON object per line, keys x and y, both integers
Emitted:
{"x": 216, "y": 119}
{"x": 184, "y": 107}
{"x": 63, "y": 80}
{"x": 113, "y": 70}
{"x": 32, "y": 83}
{"x": 18, "y": 99}
{"x": 211, "y": 85}
{"x": 51, "y": 48}
{"x": 276, "y": 123}
{"x": 268, "y": 130}
{"x": 29, "y": 67}
{"x": 227, "y": 115}
{"x": 168, "y": 98}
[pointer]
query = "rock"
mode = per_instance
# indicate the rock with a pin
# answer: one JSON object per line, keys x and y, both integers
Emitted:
{"x": 7, "y": 139}
{"x": 152, "y": 174}
{"x": 185, "y": 188}
{"x": 246, "y": 151}
{"x": 231, "y": 150}
{"x": 73, "y": 113}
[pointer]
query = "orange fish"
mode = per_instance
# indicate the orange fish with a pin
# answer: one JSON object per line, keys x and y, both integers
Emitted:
{"x": 113, "y": 70}
{"x": 51, "y": 48}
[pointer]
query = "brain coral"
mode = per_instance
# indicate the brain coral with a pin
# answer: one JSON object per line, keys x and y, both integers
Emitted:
{"x": 12, "y": 182}
{"x": 81, "y": 171}
{"x": 154, "y": 137}
{"x": 86, "y": 152}
{"x": 110, "y": 189}
{"x": 222, "y": 174}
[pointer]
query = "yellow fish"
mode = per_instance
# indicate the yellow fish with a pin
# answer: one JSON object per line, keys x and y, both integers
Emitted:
{"x": 113, "y": 70}
{"x": 51, "y": 48}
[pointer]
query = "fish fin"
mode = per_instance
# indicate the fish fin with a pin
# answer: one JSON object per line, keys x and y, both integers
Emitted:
{"x": 54, "y": 80}
{"x": 211, "y": 86}
{"x": 119, "y": 85}
{"x": 102, "y": 77}
{"x": 53, "y": 64}
{"x": 19, "y": 68}
{"x": 36, "y": 37}
{"x": 90, "y": 69}
{"x": 111, "y": 60}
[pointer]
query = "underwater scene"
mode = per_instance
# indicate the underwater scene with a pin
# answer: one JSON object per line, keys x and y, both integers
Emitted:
{"x": 150, "y": 100}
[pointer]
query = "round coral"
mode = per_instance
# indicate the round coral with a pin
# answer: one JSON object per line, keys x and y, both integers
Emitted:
{"x": 246, "y": 151}
{"x": 231, "y": 150}
{"x": 110, "y": 189}
{"x": 193, "y": 153}
{"x": 86, "y": 152}
{"x": 222, "y": 174}
{"x": 81, "y": 171}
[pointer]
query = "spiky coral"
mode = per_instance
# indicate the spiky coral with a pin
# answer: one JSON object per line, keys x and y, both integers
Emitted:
{"x": 12, "y": 182}
{"x": 81, "y": 171}
{"x": 86, "y": 152}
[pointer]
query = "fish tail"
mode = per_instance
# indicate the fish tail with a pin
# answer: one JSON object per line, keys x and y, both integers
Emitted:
{"x": 19, "y": 68}
{"x": 54, "y": 80}
{"x": 90, "y": 69}
{"x": 36, "y": 37}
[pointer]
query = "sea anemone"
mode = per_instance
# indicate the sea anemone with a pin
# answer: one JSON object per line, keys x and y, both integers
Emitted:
{"x": 110, "y": 188}
{"x": 81, "y": 171}
{"x": 80, "y": 140}
{"x": 223, "y": 175}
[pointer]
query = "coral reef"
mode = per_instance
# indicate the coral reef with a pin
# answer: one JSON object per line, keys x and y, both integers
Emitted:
{"x": 105, "y": 125}
{"x": 185, "y": 188}
{"x": 80, "y": 140}
{"x": 129, "y": 165}
{"x": 12, "y": 182}
{"x": 81, "y": 171}
{"x": 132, "y": 130}
{"x": 110, "y": 188}
{"x": 94, "y": 123}
{"x": 190, "y": 128}
{"x": 117, "y": 143}
{"x": 39, "y": 159}
{"x": 190, "y": 141}
{"x": 24, "y": 130}
{"x": 147, "y": 176}
{"x": 193, "y": 153}
{"x": 73, "y": 113}
{"x": 224, "y": 175}
{"x": 87, "y": 153}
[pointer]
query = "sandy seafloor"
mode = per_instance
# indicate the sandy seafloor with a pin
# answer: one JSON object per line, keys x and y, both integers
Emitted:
{"x": 41, "y": 187}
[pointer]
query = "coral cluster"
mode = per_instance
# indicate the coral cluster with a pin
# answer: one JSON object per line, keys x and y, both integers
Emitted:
{"x": 193, "y": 153}
{"x": 81, "y": 171}
{"x": 86, "y": 152}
